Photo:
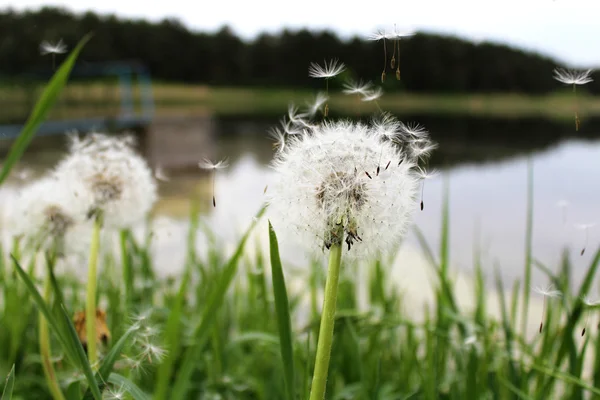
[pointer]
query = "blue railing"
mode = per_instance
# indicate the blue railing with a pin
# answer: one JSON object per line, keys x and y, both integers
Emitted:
{"x": 126, "y": 118}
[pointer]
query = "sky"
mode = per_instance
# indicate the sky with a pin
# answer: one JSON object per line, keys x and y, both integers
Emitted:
{"x": 567, "y": 30}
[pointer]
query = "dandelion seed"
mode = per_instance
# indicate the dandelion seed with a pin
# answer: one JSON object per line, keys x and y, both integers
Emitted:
{"x": 414, "y": 130}
{"x": 396, "y": 36}
{"x": 358, "y": 87}
{"x": 54, "y": 49}
{"x": 589, "y": 303}
{"x": 547, "y": 292}
{"x": 316, "y": 105}
{"x": 585, "y": 228}
{"x": 326, "y": 72}
{"x": 424, "y": 175}
{"x": 159, "y": 174}
{"x": 572, "y": 77}
{"x": 207, "y": 164}
{"x": 373, "y": 95}
{"x": 114, "y": 394}
{"x": 377, "y": 36}
{"x": 297, "y": 119}
{"x": 575, "y": 78}
{"x": 49, "y": 48}
{"x": 279, "y": 138}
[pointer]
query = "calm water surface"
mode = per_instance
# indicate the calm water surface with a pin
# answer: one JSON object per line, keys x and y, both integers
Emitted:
{"x": 487, "y": 199}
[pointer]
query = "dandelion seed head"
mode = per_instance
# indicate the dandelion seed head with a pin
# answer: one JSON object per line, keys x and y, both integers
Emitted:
{"x": 328, "y": 70}
{"x": 572, "y": 77}
{"x": 107, "y": 175}
{"x": 332, "y": 187}
{"x": 47, "y": 213}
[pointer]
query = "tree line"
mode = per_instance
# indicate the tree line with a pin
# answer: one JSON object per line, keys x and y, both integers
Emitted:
{"x": 172, "y": 52}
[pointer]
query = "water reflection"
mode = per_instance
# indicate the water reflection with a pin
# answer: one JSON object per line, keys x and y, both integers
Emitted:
{"x": 485, "y": 164}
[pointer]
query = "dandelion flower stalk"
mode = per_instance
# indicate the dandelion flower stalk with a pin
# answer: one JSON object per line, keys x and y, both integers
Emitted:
{"x": 340, "y": 183}
{"x": 45, "y": 350}
{"x": 127, "y": 271}
{"x": 90, "y": 305}
{"x": 319, "y": 383}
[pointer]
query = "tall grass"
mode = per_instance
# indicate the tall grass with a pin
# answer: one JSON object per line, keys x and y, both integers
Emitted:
{"x": 232, "y": 330}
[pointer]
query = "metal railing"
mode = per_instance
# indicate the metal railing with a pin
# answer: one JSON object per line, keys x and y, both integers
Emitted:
{"x": 99, "y": 97}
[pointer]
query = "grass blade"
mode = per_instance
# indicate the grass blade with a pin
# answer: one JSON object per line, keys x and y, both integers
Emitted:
{"x": 41, "y": 109}
{"x": 10, "y": 384}
{"x": 83, "y": 361}
{"x": 172, "y": 338}
{"x": 44, "y": 309}
{"x": 283, "y": 314}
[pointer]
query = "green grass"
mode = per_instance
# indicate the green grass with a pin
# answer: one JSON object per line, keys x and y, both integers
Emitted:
{"x": 231, "y": 333}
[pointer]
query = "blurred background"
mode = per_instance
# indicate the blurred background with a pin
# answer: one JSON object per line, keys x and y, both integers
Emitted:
{"x": 196, "y": 81}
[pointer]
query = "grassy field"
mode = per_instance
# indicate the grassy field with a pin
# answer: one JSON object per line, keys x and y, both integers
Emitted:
{"x": 93, "y": 99}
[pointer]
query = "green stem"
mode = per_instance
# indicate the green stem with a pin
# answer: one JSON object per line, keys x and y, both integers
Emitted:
{"x": 90, "y": 305}
{"x": 319, "y": 383}
{"x": 45, "y": 351}
{"x": 127, "y": 272}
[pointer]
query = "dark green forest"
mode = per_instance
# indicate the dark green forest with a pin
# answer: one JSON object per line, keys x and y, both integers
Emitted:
{"x": 172, "y": 52}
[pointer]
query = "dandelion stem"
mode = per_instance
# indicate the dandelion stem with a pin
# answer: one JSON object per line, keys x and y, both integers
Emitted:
{"x": 127, "y": 272}
{"x": 90, "y": 307}
{"x": 325, "y": 340}
{"x": 45, "y": 351}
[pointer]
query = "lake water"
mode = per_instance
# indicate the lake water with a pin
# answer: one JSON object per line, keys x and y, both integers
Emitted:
{"x": 487, "y": 193}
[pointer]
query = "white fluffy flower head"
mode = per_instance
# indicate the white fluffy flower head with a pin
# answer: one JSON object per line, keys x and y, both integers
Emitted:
{"x": 108, "y": 176}
{"x": 345, "y": 183}
{"x": 47, "y": 214}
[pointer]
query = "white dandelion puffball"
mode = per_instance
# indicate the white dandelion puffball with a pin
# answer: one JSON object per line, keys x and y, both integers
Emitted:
{"x": 47, "y": 213}
{"x": 108, "y": 176}
{"x": 345, "y": 183}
